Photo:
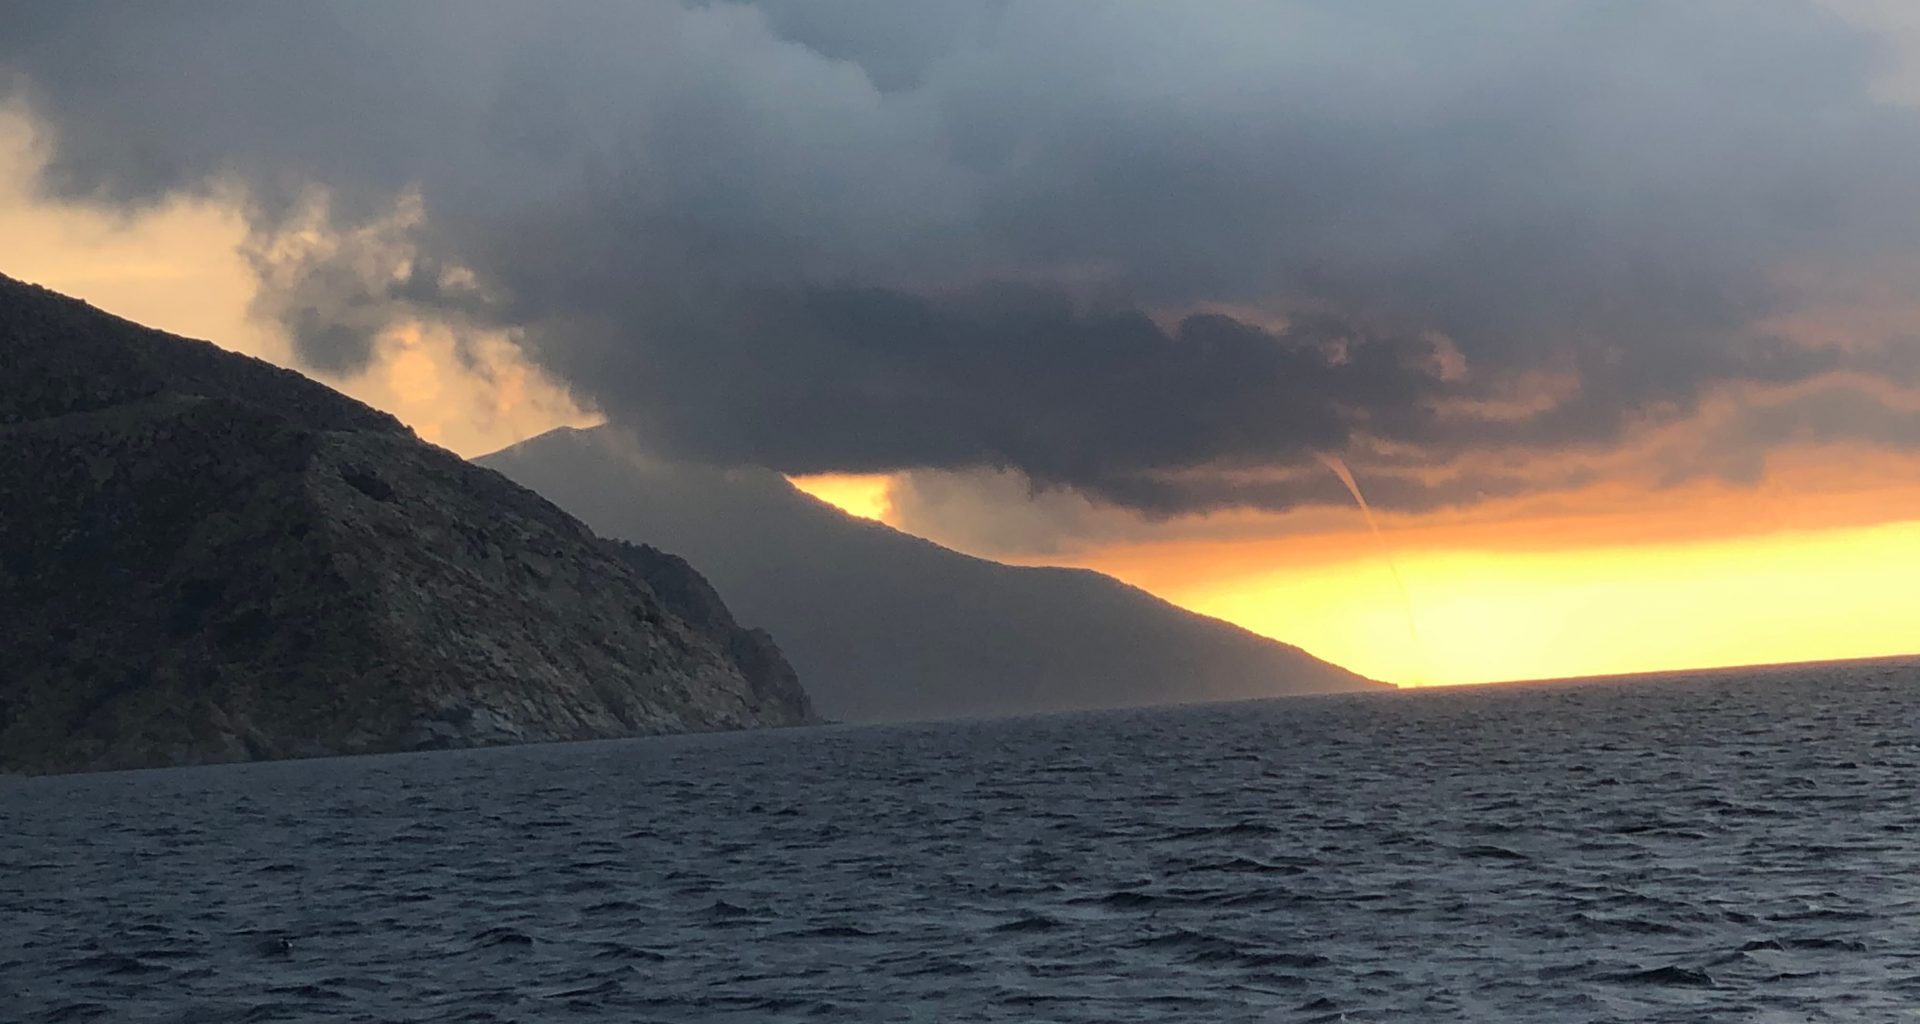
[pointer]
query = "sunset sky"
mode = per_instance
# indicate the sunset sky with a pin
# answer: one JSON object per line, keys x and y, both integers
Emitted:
{"x": 1611, "y": 310}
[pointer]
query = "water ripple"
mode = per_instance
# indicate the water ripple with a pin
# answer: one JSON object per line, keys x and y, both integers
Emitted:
{"x": 1728, "y": 847}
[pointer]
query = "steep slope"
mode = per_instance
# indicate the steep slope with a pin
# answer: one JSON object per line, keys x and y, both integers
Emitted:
{"x": 206, "y": 558}
{"x": 886, "y": 626}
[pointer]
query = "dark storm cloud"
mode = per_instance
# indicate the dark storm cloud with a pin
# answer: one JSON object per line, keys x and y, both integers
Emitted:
{"x": 865, "y": 236}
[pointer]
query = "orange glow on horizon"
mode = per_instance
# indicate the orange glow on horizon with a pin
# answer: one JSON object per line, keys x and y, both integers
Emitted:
{"x": 1796, "y": 568}
{"x": 1491, "y": 615}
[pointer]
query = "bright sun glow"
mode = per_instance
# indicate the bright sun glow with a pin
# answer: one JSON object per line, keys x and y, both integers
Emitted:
{"x": 1488, "y": 616}
{"x": 866, "y": 496}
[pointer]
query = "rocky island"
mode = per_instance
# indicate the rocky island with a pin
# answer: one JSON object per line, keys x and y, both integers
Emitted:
{"x": 205, "y": 558}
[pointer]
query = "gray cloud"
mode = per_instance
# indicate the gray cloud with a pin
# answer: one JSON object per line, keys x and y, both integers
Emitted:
{"x": 871, "y": 236}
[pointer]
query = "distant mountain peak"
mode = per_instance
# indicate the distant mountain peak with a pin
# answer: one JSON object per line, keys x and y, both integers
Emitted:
{"x": 888, "y": 626}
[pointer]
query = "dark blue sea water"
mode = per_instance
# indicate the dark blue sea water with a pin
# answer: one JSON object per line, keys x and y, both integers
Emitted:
{"x": 1739, "y": 847}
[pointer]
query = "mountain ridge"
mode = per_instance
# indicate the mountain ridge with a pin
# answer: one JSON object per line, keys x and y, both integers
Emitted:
{"x": 839, "y": 592}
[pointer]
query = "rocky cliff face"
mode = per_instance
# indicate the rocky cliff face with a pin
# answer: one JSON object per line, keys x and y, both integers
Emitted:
{"x": 206, "y": 558}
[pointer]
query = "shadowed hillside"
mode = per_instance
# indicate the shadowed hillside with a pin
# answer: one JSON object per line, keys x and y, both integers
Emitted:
{"x": 887, "y": 626}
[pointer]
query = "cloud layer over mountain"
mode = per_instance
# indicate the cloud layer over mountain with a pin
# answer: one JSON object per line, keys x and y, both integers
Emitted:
{"x": 1160, "y": 254}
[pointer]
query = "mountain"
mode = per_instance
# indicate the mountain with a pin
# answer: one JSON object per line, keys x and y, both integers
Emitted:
{"x": 206, "y": 558}
{"x": 887, "y": 626}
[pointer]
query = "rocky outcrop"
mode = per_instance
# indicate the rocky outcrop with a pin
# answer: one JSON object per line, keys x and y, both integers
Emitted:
{"x": 207, "y": 558}
{"x": 688, "y": 595}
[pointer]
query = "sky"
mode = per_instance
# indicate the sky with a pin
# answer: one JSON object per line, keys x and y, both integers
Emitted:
{"x": 1606, "y": 310}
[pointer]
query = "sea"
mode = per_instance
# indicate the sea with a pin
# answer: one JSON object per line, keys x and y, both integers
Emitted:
{"x": 1735, "y": 846}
